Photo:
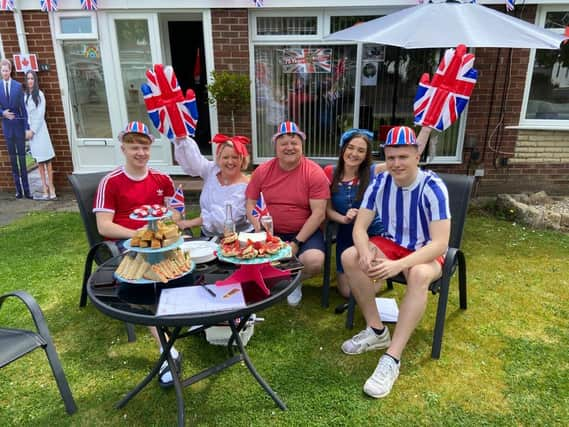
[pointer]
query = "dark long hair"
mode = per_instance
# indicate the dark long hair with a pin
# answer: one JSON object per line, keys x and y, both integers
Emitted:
{"x": 35, "y": 92}
{"x": 363, "y": 170}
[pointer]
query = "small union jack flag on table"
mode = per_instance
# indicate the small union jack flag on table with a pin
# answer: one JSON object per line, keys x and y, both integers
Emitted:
{"x": 438, "y": 103}
{"x": 173, "y": 114}
{"x": 260, "y": 208}
{"x": 177, "y": 200}
{"x": 48, "y": 5}
{"x": 7, "y": 5}
{"x": 89, "y": 4}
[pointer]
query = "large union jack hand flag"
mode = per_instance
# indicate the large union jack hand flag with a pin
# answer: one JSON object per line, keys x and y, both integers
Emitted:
{"x": 7, "y": 5}
{"x": 173, "y": 114}
{"x": 48, "y": 5}
{"x": 438, "y": 103}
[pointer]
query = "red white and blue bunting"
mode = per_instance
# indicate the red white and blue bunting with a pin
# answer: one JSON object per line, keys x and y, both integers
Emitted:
{"x": 7, "y": 5}
{"x": 48, "y": 5}
{"x": 89, "y": 4}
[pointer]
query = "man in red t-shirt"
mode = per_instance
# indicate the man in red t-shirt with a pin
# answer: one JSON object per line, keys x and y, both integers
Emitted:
{"x": 127, "y": 188}
{"x": 295, "y": 190}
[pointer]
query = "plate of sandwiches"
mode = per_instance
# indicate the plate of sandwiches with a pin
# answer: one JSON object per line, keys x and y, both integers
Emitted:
{"x": 201, "y": 251}
{"x": 136, "y": 268}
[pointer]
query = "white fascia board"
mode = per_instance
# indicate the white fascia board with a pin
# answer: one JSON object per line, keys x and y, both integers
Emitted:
{"x": 240, "y": 4}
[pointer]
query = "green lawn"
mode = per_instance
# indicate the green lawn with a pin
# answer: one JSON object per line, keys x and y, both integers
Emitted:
{"x": 505, "y": 360}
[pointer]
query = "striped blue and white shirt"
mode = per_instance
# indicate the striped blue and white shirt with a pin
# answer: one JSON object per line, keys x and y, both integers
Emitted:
{"x": 406, "y": 212}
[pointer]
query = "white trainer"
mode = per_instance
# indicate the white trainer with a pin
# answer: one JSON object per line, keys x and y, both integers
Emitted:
{"x": 380, "y": 383}
{"x": 295, "y": 296}
{"x": 367, "y": 340}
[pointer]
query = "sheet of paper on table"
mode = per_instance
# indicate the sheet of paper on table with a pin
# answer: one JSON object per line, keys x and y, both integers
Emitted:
{"x": 195, "y": 299}
{"x": 388, "y": 310}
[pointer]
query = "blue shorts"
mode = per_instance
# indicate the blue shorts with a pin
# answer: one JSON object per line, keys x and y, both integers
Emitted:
{"x": 316, "y": 241}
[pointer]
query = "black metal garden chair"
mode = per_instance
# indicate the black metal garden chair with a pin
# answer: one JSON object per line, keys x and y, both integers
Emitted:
{"x": 85, "y": 187}
{"x": 16, "y": 343}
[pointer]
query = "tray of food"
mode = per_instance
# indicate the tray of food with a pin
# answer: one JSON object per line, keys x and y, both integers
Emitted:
{"x": 136, "y": 267}
{"x": 165, "y": 237}
{"x": 252, "y": 248}
{"x": 150, "y": 213}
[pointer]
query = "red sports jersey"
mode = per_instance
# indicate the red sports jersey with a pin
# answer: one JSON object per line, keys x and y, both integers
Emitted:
{"x": 121, "y": 194}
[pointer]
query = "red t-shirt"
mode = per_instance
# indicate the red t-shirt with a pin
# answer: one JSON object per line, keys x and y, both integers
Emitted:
{"x": 121, "y": 194}
{"x": 287, "y": 194}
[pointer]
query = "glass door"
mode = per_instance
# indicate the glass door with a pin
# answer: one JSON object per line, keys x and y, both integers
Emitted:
{"x": 135, "y": 39}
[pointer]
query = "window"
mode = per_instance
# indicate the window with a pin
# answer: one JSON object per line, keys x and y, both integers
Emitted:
{"x": 548, "y": 93}
{"x": 76, "y": 25}
{"x": 87, "y": 92}
{"x": 286, "y": 25}
{"x": 135, "y": 57}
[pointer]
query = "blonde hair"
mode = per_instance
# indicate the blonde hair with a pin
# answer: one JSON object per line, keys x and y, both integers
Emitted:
{"x": 136, "y": 138}
{"x": 223, "y": 145}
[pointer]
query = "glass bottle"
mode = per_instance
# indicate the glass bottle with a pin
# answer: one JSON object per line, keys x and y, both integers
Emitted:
{"x": 229, "y": 224}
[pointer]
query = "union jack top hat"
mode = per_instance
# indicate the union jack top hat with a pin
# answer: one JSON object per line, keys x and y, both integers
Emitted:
{"x": 136, "y": 127}
{"x": 400, "y": 135}
{"x": 288, "y": 127}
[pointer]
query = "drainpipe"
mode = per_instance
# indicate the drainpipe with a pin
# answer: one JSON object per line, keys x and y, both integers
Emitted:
{"x": 20, "y": 31}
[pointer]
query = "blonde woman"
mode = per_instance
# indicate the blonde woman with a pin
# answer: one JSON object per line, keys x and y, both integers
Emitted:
{"x": 224, "y": 182}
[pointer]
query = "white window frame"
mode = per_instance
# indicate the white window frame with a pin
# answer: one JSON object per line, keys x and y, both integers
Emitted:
{"x": 281, "y": 38}
{"x": 540, "y": 123}
{"x": 93, "y": 35}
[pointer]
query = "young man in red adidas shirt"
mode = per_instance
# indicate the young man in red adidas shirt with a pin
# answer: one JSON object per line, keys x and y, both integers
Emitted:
{"x": 127, "y": 188}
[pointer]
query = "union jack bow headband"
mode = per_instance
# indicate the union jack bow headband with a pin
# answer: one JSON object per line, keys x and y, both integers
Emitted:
{"x": 239, "y": 143}
{"x": 349, "y": 134}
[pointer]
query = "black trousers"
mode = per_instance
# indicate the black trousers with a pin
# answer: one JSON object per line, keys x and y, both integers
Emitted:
{"x": 17, "y": 152}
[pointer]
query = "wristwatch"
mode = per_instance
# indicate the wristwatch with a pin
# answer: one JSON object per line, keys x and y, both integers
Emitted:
{"x": 297, "y": 242}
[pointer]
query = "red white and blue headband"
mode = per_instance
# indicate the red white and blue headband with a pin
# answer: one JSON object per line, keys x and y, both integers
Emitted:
{"x": 238, "y": 142}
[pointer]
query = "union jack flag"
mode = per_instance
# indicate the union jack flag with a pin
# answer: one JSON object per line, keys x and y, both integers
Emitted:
{"x": 260, "y": 208}
{"x": 173, "y": 114}
{"x": 438, "y": 103}
{"x": 296, "y": 60}
{"x": 48, "y": 5}
{"x": 177, "y": 200}
{"x": 89, "y": 4}
{"x": 258, "y": 3}
{"x": 7, "y": 5}
{"x": 510, "y": 5}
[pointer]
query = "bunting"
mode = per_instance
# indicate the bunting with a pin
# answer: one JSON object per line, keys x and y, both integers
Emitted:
{"x": 7, "y": 5}
{"x": 89, "y": 4}
{"x": 48, "y": 5}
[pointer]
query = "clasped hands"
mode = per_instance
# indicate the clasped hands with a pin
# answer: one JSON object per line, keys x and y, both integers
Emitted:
{"x": 350, "y": 215}
{"x": 379, "y": 268}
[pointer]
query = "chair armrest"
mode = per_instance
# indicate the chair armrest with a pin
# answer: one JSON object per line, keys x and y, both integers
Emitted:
{"x": 33, "y": 308}
{"x": 112, "y": 246}
{"x": 330, "y": 230}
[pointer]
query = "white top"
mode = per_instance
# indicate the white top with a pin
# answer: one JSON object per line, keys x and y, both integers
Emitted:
{"x": 40, "y": 144}
{"x": 214, "y": 196}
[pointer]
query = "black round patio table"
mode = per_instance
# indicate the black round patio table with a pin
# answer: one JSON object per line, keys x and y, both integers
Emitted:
{"x": 137, "y": 304}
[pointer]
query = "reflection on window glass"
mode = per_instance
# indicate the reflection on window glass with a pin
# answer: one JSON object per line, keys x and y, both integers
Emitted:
{"x": 338, "y": 23}
{"x": 311, "y": 85}
{"x": 87, "y": 90}
{"x": 135, "y": 58}
{"x": 286, "y": 25}
{"x": 75, "y": 24}
{"x": 549, "y": 90}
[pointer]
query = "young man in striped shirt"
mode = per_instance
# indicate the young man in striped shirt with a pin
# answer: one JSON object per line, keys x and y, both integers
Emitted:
{"x": 413, "y": 206}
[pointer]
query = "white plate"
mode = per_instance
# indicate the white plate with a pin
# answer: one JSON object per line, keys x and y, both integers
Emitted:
{"x": 200, "y": 250}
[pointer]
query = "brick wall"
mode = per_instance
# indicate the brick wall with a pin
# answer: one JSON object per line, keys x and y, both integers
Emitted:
{"x": 231, "y": 50}
{"x": 40, "y": 42}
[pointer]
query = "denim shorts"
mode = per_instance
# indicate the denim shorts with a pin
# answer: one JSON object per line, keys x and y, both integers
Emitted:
{"x": 316, "y": 241}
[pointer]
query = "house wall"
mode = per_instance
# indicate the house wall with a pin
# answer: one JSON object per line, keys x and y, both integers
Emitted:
{"x": 231, "y": 50}
{"x": 39, "y": 40}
